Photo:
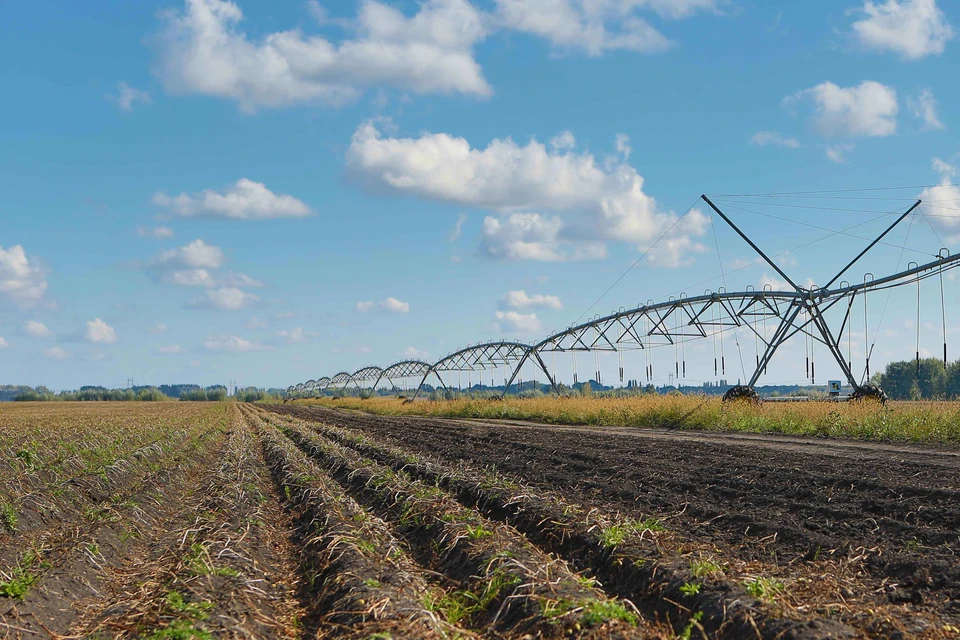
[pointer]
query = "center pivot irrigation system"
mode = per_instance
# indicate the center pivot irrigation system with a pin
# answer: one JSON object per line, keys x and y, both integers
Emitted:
{"x": 788, "y": 312}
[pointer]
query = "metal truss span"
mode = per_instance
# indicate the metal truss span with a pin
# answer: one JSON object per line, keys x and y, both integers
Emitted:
{"x": 771, "y": 316}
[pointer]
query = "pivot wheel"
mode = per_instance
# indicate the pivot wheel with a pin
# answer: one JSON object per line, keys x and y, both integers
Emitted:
{"x": 741, "y": 393}
{"x": 869, "y": 393}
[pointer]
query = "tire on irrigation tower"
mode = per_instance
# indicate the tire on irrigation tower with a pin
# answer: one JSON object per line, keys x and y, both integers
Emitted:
{"x": 742, "y": 393}
{"x": 868, "y": 393}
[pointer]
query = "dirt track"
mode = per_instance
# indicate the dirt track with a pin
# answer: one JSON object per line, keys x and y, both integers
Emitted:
{"x": 894, "y": 511}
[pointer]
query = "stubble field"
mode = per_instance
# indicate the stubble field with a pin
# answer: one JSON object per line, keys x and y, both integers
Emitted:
{"x": 200, "y": 520}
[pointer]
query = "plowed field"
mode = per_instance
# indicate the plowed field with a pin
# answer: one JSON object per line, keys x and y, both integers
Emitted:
{"x": 202, "y": 520}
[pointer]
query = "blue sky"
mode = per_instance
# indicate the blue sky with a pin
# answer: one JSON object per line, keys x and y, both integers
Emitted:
{"x": 275, "y": 191}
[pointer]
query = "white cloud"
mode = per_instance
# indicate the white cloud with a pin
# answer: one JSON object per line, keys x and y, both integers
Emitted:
{"x": 226, "y": 299}
{"x": 866, "y": 110}
{"x": 21, "y": 279}
{"x": 244, "y": 200}
{"x": 945, "y": 169}
{"x": 127, "y": 96}
{"x": 775, "y": 283}
{"x": 389, "y": 305}
{"x": 3, "y": 343}
{"x": 157, "y": 232}
{"x": 190, "y": 278}
{"x": 392, "y": 305}
{"x": 233, "y": 344}
{"x": 838, "y": 152}
{"x": 37, "y": 329}
{"x": 594, "y": 27}
{"x": 255, "y": 323}
{"x": 196, "y": 255}
{"x": 293, "y": 336}
{"x": 564, "y": 141}
{"x": 412, "y": 353}
{"x": 521, "y": 300}
{"x": 675, "y": 251}
{"x": 763, "y": 138}
{"x": 171, "y": 350}
{"x": 458, "y": 228}
{"x": 202, "y": 51}
{"x": 513, "y": 322}
{"x": 157, "y": 328}
{"x": 924, "y": 107}
{"x": 942, "y": 202}
{"x": 56, "y": 353}
{"x": 530, "y": 236}
{"x": 99, "y": 331}
{"x": 912, "y": 28}
{"x": 521, "y": 184}
{"x": 623, "y": 145}
{"x": 456, "y": 259}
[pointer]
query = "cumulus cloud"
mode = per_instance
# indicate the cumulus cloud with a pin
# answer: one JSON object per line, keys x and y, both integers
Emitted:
{"x": 171, "y": 350}
{"x": 592, "y": 27}
{"x": 202, "y": 50}
{"x": 517, "y": 323}
{"x": 388, "y": 305}
{"x": 56, "y": 353}
{"x": 244, "y": 200}
{"x": 530, "y": 236}
{"x": 924, "y": 107}
{"x": 911, "y": 28}
{"x": 21, "y": 279}
{"x": 157, "y": 328}
{"x": 225, "y": 299}
{"x": 522, "y": 300}
{"x": 196, "y": 255}
{"x": 195, "y": 265}
{"x": 37, "y": 329}
{"x": 866, "y": 110}
{"x": 940, "y": 202}
{"x": 412, "y": 353}
{"x": 232, "y": 344}
{"x": 527, "y": 186}
{"x": 100, "y": 332}
{"x": 157, "y": 232}
{"x": 127, "y": 96}
{"x": 775, "y": 138}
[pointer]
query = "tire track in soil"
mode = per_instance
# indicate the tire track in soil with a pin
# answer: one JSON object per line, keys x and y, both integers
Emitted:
{"x": 439, "y": 533}
{"x": 892, "y": 511}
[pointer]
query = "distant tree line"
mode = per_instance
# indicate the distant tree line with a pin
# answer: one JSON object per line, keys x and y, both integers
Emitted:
{"x": 187, "y": 392}
{"x": 933, "y": 381}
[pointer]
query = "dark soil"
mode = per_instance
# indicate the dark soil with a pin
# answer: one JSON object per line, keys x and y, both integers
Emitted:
{"x": 762, "y": 497}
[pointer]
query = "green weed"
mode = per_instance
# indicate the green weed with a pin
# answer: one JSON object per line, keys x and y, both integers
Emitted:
{"x": 617, "y": 534}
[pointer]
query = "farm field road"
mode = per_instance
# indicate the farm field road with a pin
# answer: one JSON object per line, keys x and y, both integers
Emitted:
{"x": 891, "y": 512}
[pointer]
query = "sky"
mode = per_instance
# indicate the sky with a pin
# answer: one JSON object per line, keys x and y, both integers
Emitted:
{"x": 269, "y": 192}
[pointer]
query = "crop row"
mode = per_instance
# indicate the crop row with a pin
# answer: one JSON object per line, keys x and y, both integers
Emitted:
{"x": 501, "y": 583}
{"x": 214, "y": 568}
{"x": 639, "y": 560}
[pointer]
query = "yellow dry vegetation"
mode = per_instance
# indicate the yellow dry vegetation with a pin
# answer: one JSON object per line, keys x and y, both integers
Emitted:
{"x": 922, "y": 421}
